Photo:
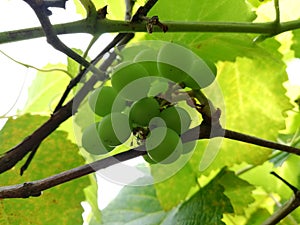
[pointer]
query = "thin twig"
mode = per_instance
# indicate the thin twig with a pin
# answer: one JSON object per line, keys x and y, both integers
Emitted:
{"x": 14, "y": 155}
{"x": 288, "y": 207}
{"x": 75, "y": 80}
{"x": 36, "y": 68}
{"x": 51, "y": 35}
{"x": 129, "y": 5}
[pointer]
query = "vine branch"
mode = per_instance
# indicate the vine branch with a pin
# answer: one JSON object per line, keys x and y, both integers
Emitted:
{"x": 42, "y": 13}
{"x": 113, "y": 26}
{"x": 205, "y": 132}
{"x": 62, "y": 113}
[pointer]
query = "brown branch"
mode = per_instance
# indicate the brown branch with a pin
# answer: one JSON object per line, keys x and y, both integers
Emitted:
{"x": 284, "y": 211}
{"x": 287, "y": 208}
{"x": 51, "y": 35}
{"x": 203, "y": 131}
{"x": 35, "y": 188}
{"x": 14, "y": 155}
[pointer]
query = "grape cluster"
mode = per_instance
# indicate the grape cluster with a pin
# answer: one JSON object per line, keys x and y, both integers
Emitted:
{"x": 141, "y": 103}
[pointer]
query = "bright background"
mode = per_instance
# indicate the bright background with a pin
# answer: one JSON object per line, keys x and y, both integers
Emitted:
{"x": 15, "y": 79}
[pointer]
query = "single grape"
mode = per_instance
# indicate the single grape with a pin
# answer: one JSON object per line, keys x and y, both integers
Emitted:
{"x": 130, "y": 52}
{"x": 143, "y": 111}
{"x": 188, "y": 147}
{"x": 156, "y": 122}
{"x": 148, "y": 159}
{"x": 131, "y": 80}
{"x": 176, "y": 118}
{"x": 201, "y": 74}
{"x": 114, "y": 129}
{"x": 174, "y": 62}
{"x": 163, "y": 145}
{"x": 159, "y": 85}
{"x": 148, "y": 59}
{"x": 102, "y": 99}
{"x": 172, "y": 73}
{"x": 92, "y": 143}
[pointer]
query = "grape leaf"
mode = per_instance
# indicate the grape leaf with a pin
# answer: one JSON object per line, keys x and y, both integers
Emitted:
{"x": 195, "y": 10}
{"x": 45, "y": 90}
{"x": 175, "y": 189}
{"x": 258, "y": 216}
{"x": 296, "y": 43}
{"x": 55, "y": 155}
{"x": 139, "y": 205}
{"x": 134, "y": 205}
{"x": 261, "y": 177}
{"x": 207, "y": 206}
{"x": 238, "y": 191}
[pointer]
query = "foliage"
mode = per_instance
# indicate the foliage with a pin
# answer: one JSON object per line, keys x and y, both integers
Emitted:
{"x": 223, "y": 181}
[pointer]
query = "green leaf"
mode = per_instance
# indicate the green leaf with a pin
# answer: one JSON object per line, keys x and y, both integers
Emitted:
{"x": 258, "y": 216}
{"x": 254, "y": 104}
{"x": 174, "y": 190}
{"x": 207, "y": 206}
{"x": 73, "y": 66}
{"x": 238, "y": 191}
{"x": 15, "y": 130}
{"x": 46, "y": 90}
{"x": 213, "y": 46}
{"x": 201, "y": 10}
{"x": 55, "y": 155}
{"x": 296, "y": 43}
{"x": 134, "y": 205}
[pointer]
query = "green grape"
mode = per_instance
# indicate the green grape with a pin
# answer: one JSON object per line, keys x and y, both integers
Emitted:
{"x": 148, "y": 159}
{"x": 130, "y": 52}
{"x": 92, "y": 143}
{"x": 201, "y": 74}
{"x": 131, "y": 80}
{"x": 163, "y": 145}
{"x": 176, "y": 118}
{"x": 114, "y": 129}
{"x": 143, "y": 111}
{"x": 148, "y": 59}
{"x": 174, "y": 61}
{"x": 188, "y": 147}
{"x": 102, "y": 100}
{"x": 156, "y": 122}
{"x": 159, "y": 85}
{"x": 172, "y": 73}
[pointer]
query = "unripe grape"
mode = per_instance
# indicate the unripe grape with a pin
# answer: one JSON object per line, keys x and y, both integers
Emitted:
{"x": 148, "y": 59}
{"x": 163, "y": 145}
{"x": 114, "y": 129}
{"x": 143, "y": 111}
{"x": 102, "y": 100}
{"x": 148, "y": 159}
{"x": 176, "y": 118}
{"x": 201, "y": 74}
{"x": 92, "y": 143}
{"x": 174, "y": 61}
{"x": 131, "y": 80}
{"x": 188, "y": 147}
